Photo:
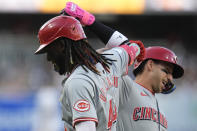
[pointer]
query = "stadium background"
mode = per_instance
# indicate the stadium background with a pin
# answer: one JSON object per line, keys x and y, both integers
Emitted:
{"x": 29, "y": 88}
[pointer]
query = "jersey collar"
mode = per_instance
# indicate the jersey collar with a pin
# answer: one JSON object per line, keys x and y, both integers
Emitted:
{"x": 146, "y": 88}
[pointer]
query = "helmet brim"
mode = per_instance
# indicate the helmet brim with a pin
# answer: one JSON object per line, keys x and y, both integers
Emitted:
{"x": 41, "y": 48}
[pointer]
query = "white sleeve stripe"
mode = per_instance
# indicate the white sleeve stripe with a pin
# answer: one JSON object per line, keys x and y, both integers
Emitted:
{"x": 84, "y": 119}
{"x": 116, "y": 39}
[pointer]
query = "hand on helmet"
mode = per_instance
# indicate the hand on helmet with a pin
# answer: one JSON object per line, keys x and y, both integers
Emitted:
{"x": 141, "y": 53}
{"x": 74, "y": 10}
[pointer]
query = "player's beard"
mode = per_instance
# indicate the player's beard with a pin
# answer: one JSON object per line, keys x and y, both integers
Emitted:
{"x": 157, "y": 88}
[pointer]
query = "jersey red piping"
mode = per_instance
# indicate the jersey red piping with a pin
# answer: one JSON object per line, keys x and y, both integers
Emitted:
{"x": 146, "y": 88}
{"x": 85, "y": 119}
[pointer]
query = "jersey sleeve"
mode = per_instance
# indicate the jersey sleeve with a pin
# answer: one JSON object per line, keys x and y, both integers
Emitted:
{"x": 79, "y": 94}
{"x": 126, "y": 86}
{"x": 121, "y": 57}
{"x": 86, "y": 126}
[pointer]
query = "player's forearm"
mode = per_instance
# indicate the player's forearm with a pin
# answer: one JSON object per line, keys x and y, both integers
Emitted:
{"x": 102, "y": 31}
{"x": 110, "y": 37}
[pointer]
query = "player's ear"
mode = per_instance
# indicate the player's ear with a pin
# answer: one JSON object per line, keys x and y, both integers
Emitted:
{"x": 150, "y": 65}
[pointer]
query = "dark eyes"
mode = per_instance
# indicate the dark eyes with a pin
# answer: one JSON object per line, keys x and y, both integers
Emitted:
{"x": 166, "y": 71}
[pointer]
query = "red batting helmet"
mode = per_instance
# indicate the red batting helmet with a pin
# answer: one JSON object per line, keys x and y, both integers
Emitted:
{"x": 163, "y": 54}
{"x": 59, "y": 26}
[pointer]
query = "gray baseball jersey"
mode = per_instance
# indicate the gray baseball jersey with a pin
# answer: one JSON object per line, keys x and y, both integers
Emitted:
{"x": 138, "y": 109}
{"x": 87, "y": 96}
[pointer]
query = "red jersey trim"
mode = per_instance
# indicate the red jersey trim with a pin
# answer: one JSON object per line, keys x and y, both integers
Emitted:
{"x": 146, "y": 88}
{"x": 84, "y": 119}
{"x": 127, "y": 70}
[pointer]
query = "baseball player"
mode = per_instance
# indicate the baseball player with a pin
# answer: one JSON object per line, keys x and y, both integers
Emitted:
{"x": 90, "y": 95}
{"x": 138, "y": 107}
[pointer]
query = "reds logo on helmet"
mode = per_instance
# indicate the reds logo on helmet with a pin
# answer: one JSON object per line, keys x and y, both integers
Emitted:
{"x": 82, "y": 106}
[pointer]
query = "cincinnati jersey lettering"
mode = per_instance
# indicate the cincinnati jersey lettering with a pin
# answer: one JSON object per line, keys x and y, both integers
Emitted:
{"x": 148, "y": 113}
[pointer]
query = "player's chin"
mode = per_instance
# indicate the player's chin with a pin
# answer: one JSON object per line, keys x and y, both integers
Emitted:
{"x": 161, "y": 89}
{"x": 60, "y": 69}
{"x": 158, "y": 91}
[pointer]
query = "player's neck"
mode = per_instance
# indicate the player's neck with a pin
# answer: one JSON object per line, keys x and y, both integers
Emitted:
{"x": 144, "y": 81}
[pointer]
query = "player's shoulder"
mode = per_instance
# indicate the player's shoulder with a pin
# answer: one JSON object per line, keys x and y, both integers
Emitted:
{"x": 128, "y": 80}
{"x": 80, "y": 78}
{"x": 80, "y": 73}
{"x": 78, "y": 86}
{"x": 129, "y": 84}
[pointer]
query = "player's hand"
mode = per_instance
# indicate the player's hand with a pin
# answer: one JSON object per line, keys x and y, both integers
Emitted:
{"x": 74, "y": 10}
{"x": 141, "y": 55}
